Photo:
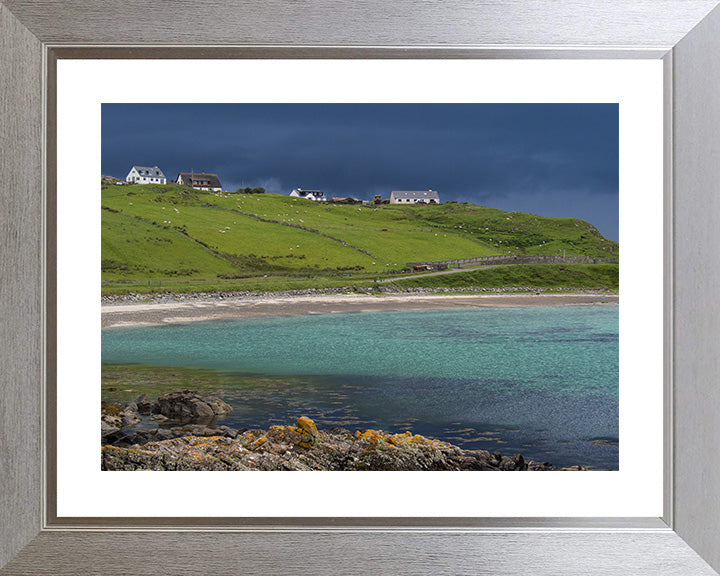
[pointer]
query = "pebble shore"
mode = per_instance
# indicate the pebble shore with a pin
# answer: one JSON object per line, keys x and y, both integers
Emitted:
{"x": 166, "y": 297}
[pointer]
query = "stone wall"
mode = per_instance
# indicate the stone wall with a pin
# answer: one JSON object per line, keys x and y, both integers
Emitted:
{"x": 514, "y": 259}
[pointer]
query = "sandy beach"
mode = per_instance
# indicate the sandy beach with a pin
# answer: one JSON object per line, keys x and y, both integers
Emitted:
{"x": 213, "y": 308}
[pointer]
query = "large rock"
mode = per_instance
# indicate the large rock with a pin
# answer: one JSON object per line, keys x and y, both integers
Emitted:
{"x": 107, "y": 430}
{"x": 118, "y": 416}
{"x": 144, "y": 404}
{"x": 141, "y": 437}
{"x": 195, "y": 412}
{"x": 129, "y": 418}
{"x": 113, "y": 421}
{"x": 188, "y": 406}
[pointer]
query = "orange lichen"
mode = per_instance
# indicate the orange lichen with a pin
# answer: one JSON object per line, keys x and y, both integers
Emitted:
{"x": 110, "y": 409}
{"x": 303, "y": 439}
{"x": 259, "y": 442}
{"x": 307, "y": 425}
{"x": 373, "y": 437}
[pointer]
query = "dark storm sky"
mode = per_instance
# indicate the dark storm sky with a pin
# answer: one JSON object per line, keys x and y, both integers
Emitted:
{"x": 547, "y": 159}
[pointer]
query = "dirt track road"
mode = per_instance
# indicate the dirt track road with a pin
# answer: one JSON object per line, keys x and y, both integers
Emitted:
{"x": 439, "y": 273}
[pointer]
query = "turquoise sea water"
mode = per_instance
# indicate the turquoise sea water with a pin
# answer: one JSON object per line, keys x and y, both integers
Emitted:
{"x": 542, "y": 381}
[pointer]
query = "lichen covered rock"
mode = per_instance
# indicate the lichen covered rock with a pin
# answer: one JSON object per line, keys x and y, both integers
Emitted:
{"x": 303, "y": 447}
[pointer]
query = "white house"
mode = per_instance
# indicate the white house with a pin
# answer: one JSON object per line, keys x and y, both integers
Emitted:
{"x": 314, "y": 195}
{"x": 200, "y": 181}
{"x": 146, "y": 175}
{"x": 412, "y": 197}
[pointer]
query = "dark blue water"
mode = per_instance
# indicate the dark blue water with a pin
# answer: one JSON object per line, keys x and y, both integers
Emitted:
{"x": 542, "y": 381}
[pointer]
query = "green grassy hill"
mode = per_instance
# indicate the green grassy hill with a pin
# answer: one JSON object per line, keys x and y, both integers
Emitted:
{"x": 172, "y": 237}
{"x": 547, "y": 276}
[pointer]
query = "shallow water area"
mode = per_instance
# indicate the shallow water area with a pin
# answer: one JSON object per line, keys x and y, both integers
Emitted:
{"x": 541, "y": 381}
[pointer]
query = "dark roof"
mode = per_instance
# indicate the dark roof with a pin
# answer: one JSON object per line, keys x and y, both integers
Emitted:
{"x": 196, "y": 177}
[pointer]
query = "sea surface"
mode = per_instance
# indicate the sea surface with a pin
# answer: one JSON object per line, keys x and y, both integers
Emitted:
{"x": 541, "y": 380}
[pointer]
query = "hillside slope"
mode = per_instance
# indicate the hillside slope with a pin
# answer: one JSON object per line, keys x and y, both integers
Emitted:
{"x": 176, "y": 237}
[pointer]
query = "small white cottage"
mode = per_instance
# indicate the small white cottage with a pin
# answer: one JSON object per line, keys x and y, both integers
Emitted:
{"x": 146, "y": 175}
{"x": 413, "y": 197}
{"x": 314, "y": 195}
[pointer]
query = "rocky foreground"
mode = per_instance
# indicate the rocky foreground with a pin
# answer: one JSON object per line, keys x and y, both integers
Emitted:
{"x": 194, "y": 446}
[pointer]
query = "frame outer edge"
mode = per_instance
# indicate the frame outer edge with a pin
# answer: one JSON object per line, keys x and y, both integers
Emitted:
{"x": 23, "y": 163}
{"x": 588, "y": 23}
{"x": 696, "y": 112}
{"x": 401, "y": 554}
{"x": 21, "y": 334}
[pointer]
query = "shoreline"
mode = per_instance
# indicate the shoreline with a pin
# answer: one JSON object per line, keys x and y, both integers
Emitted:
{"x": 218, "y": 307}
{"x": 199, "y": 443}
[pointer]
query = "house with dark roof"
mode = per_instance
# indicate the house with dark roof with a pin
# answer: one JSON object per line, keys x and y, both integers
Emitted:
{"x": 146, "y": 175}
{"x": 200, "y": 181}
{"x": 315, "y": 195}
{"x": 413, "y": 197}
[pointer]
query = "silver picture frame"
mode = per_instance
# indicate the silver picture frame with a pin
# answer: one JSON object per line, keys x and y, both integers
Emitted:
{"x": 685, "y": 34}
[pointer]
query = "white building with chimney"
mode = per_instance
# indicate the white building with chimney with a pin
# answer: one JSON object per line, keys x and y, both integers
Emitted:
{"x": 414, "y": 197}
{"x": 146, "y": 175}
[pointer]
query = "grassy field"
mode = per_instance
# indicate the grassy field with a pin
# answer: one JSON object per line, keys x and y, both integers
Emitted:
{"x": 170, "y": 237}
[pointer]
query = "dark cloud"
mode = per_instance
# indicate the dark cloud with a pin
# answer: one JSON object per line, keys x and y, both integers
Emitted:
{"x": 550, "y": 159}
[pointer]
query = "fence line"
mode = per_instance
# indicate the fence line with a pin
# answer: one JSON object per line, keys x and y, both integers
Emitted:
{"x": 513, "y": 259}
